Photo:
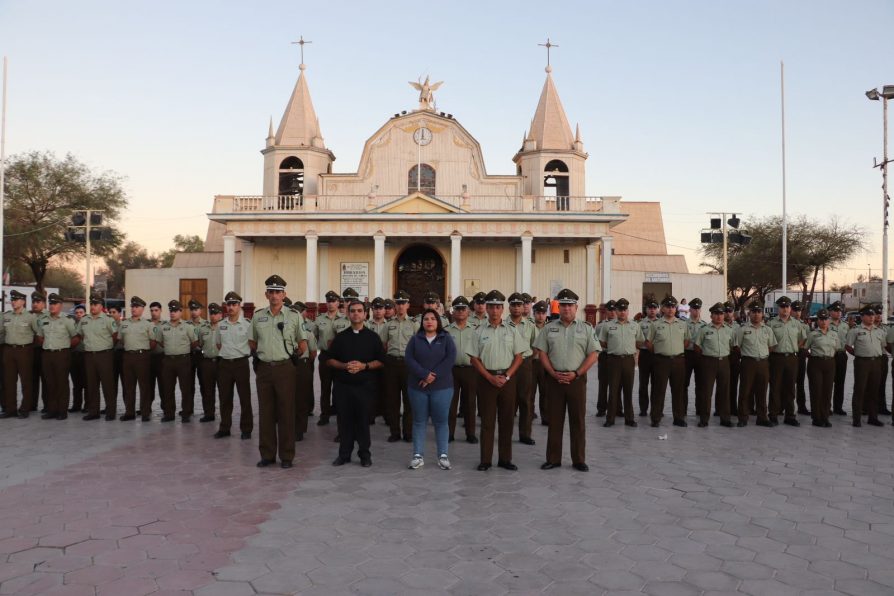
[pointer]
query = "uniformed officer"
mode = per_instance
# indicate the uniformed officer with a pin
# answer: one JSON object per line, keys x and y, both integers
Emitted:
{"x": 18, "y": 356}
{"x": 525, "y": 386}
{"x": 277, "y": 334}
{"x": 646, "y": 358}
{"x": 479, "y": 309}
{"x": 389, "y": 309}
{"x": 157, "y": 356}
{"x": 822, "y": 344}
{"x": 496, "y": 355}
{"x": 713, "y": 343}
{"x": 528, "y": 310}
{"x": 729, "y": 319}
{"x": 866, "y": 346}
{"x": 232, "y": 338}
{"x": 667, "y": 339}
{"x": 210, "y": 360}
{"x": 882, "y": 330}
{"x": 568, "y": 349}
{"x": 790, "y": 338}
{"x": 99, "y": 333}
{"x": 465, "y": 377}
{"x": 798, "y": 314}
{"x": 38, "y": 380}
{"x": 378, "y": 322}
{"x": 304, "y": 378}
{"x": 76, "y": 371}
{"x": 57, "y": 335}
{"x": 196, "y": 320}
{"x": 432, "y": 301}
{"x": 178, "y": 338}
{"x": 400, "y": 329}
{"x": 137, "y": 335}
{"x": 839, "y": 326}
{"x": 118, "y": 349}
{"x": 692, "y": 356}
{"x": 754, "y": 341}
{"x": 620, "y": 339}
{"x": 327, "y": 325}
{"x": 541, "y": 312}
{"x": 603, "y": 374}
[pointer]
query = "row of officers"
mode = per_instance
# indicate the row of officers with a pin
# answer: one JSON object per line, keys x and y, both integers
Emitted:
{"x": 502, "y": 362}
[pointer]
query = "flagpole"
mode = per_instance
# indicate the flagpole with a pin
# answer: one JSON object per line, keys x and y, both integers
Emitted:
{"x": 2, "y": 180}
{"x": 784, "y": 214}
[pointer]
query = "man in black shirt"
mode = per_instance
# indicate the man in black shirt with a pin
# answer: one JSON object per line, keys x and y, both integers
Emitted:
{"x": 354, "y": 354}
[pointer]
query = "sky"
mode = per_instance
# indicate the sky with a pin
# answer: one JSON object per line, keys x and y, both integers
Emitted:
{"x": 678, "y": 102}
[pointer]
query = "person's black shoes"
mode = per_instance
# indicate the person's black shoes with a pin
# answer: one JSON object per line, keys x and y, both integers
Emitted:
{"x": 581, "y": 467}
{"x": 285, "y": 465}
{"x": 245, "y": 436}
{"x": 608, "y": 424}
{"x": 702, "y": 424}
{"x": 839, "y": 412}
{"x": 366, "y": 462}
{"x": 472, "y": 439}
{"x": 91, "y": 417}
{"x": 323, "y": 421}
{"x": 206, "y": 418}
{"x": 726, "y": 423}
{"x": 299, "y": 436}
{"x": 340, "y": 461}
{"x": 507, "y": 465}
{"x": 741, "y": 424}
{"x": 167, "y": 418}
{"x": 549, "y": 466}
{"x": 655, "y": 424}
{"x": 875, "y": 422}
{"x": 221, "y": 434}
{"x": 791, "y": 422}
{"x": 526, "y": 440}
{"x": 266, "y": 462}
{"x": 127, "y": 417}
{"x": 482, "y": 467}
{"x": 393, "y": 438}
{"x": 680, "y": 422}
{"x": 630, "y": 423}
{"x": 766, "y": 423}
{"x": 185, "y": 419}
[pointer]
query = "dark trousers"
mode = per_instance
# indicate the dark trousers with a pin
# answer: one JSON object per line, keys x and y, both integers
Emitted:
{"x": 196, "y": 359}
{"x": 17, "y": 363}
{"x": 465, "y": 384}
{"x": 78, "y": 380}
{"x": 177, "y": 369}
{"x": 712, "y": 372}
{"x": 118, "y": 364}
{"x": 620, "y": 379}
{"x": 136, "y": 371}
{"x": 840, "y": 376}
{"x": 735, "y": 364}
{"x": 602, "y": 396}
{"x": 276, "y": 410}
{"x": 100, "y": 368}
{"x": 208, "y": 385}
{"x": 800, "y": 382}
{"x": 38, "y": 380}
{"x": 156, "y": 361}
{"x": 753, "y": 381}
{"x": 693, "y": 359}
{"x": 540, "y": 377}
{"x": 668, "y": 369}
{"x": 866, "y": 378}
{"x": 882, "y": 383}
{"x": 646, "y": 359}
{"x": 355, "y": 402}
{"x": 573, "y": 398}
{"x": 524, "y": 397}
{"x": 55, "y": 373}
{"x": 304, "y": 394}
{"x": 783, "y": 371}
{"x": 497, "y": 405}
{"x": 395, "y": 394}
{"x": 230, "y": 374}
{"x": 821, "y": 376}
{"x": 326, "y": 405}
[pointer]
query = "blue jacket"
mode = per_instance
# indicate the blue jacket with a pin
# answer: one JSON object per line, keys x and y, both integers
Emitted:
{"x": 438, "y": 357}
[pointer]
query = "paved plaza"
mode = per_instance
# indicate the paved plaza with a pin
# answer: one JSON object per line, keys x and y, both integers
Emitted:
{"x": 138, "y": 508}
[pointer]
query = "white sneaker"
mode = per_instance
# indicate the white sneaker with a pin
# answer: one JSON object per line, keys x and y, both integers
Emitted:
{"x": 444, "y": 462}
{"x": 417, "y": 462}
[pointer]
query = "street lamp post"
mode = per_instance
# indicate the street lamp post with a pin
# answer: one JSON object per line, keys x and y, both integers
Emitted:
{"x": 886, "y": 93}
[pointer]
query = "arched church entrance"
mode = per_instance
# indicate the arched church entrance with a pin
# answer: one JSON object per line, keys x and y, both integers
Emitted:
{"x": 420, "y": 269}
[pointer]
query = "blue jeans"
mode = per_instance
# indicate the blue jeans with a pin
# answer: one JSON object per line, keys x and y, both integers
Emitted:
{"x": 436, "y": 403}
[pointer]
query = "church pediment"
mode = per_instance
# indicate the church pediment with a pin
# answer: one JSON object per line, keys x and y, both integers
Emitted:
{"x": 417, "y": 202}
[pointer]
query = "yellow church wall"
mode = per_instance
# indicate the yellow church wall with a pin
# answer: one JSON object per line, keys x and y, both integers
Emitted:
{"x": 549, "y": 265}
{"x": 492, "y": 265}
{"x": 284, "y": 256}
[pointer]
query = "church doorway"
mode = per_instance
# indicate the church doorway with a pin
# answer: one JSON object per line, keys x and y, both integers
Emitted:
{"x": 420, "y": 269}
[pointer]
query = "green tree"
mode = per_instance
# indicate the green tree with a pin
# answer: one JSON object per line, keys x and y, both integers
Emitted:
{"x": 42, "y": 192}
{"x": 181, "y": 244}
{"x": 69, "y": 282}
{"x": 129, "y": 256}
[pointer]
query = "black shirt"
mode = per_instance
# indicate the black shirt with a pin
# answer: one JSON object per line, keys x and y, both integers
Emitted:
{"x": 364, "y": 345}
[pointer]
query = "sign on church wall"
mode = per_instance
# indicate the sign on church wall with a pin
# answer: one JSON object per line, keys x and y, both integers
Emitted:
{"x": 356, "y": 276}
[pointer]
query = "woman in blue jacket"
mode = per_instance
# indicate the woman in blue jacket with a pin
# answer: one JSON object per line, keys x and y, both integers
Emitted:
{"x": 429, "y": 358}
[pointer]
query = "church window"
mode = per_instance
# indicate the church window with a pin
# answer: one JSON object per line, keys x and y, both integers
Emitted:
{"x": 291, "y": 177}
{"x": 556, "y": 184}
{"x": 421, "y": 180}
{"x": 566, "y": 256}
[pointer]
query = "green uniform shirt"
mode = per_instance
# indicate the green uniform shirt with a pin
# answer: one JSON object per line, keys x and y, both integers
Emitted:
{"x": 732, "y": 325}
{"x": 80, "y": 346}
{"x": 274, "y": 344}
{"x": 135, "y": 334}
{"x": 418, "y": 320}
{"x": 755, "y": 341}
{"x": 381, "y": 329}
{"x": 327, "y": 328}
{"x": 865, "y": 342}
{"x": 310, "y": 327}
{"x": 668, "y": 337}
{"x": 823, "y": 344}
{"x": 620, "y": 339}
{"x": 645, "y": 324}
{"x": 20, "y": 328}
{"x": 474, "y": 321}
{"x": 176, "y": 338}
{"x": 311, "y": 340}
{"x": 399, "y": 333}
{"x": 789, "y": 335}
{"x": 841, "y": 330}
{"x": 465, "y": 340}
{"x": 207, "y": 332}
{"x": 525, "y": 329}
{"x": 232, "y": 338}
{"x": 496, "y": 347}
{"x": 715, "y": 342}
{"x": 98, "y": 332}
{"x": 57, "y": 332}
{"x": 694, "y": 328}
{"x": 159, "y": 349}
{"x": 567, "y": 346}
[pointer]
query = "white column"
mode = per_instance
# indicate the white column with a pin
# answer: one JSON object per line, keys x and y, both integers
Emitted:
{"x": 229, "y": 262}
{"x": 526, "y": 263}
{"x": 323, "y": 253}
{"x": 311, "y": 269}
{"x": 592, "y": 265}
{"x": 606, "y": 268}
{"x": 248, "y": 281}
{"x": 455, "y": 265}
{"x": 379, "y": 265}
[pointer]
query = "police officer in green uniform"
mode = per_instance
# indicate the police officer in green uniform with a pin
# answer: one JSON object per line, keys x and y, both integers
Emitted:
{"x": 882, "y": 330}
{"x": 839, "y": 326}
{"x": 389, "y": 309}
{"x": 646, "y": 358}
{"x": 713, "y": 342}
{"x": 479, "y": 310}
{"x": 790, "y": 338}
{"x": 378, "y": 322}
{"x": 157, "y": 356}
{"x": 465, "y": 377}
{"x": 525, "y": 373}
{"x": 620, "y": 339}
{"x": 866, "y": 345}
{"x": 304, "y": 377}
{"x": 38, "y": 380}
{"x": 691, "y": 355}
{"x": 196, "y": 320}
{"x": 232, "y": 337}
{"x": 432, "y": 301}
{"x": 496, "y": 355}
{"x": 822, "y": 345}
{"x": 210, "y": 360}
{"x": 137, "y": 336}
{"x": 667, "y": 339}
{"x": 754, "y": 341}
{"x": 99, "y": 333}
{"x": 277, "y": 335}
{"x": 611, "y": 315}
{"x": 400, "y": 329}
{"x": 798, "y": 313}
{"x": 178, "y": 338}
{"x": 18, "y": 356}
{"x": 57, "y": 335}
{"x": 541, "y": 313}
{"x": 327, "y": 326}
{"x": 729, "y": 319}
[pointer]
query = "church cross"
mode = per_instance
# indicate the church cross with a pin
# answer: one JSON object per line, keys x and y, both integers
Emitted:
{"x": 548, "y": 45}
{"x": 301, "y": 43}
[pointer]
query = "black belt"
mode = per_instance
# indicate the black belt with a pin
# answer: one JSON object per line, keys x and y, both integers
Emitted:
{"x": 98, "y": 351}
{"x": 212, "y": 358}
{"x": 462, "y": 366}
{"x": 786, "y": 354}
{"x": 715, "y": 357}
{"x": 136, "y": 351}
{"x": 19, "y": 345}
{"x": 59, "y": 350}
{"x": 497, "y": 372}
{"x": 396, "y": 357}
{"x": 620, "y": 355}
{"x": 822, "y": 357}
{"x": 866, "y": 357}
{"x": 234, "y": 359}
{"x": 753, "y": 358}
{"x": 674, "y": 356}
{"x": 177, "y": 355}
{"x": 276, "y": 362}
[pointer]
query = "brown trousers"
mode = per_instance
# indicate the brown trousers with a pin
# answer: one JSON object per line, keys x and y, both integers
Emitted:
{"x": 276, "y": 410}
{"x": 136, "y": 371}
{"x": 395, "y": 394}
{"x": 465, "y": 388}
{"x": 17, "y": 363}
{"x": 783, "y": 373}
{"x": 735, "y": 364}
{"x": 78, "y": 380}
{"x": 882, "y": 383}
{"x": 866, "y": 378}
{"x": 208, "y": 385}
{"x": 801, "y": 381}
{"x": 304, "y": 394}
{"x": 693, "y": 362}
{"x": 156, "y": 361}
{"x": 573, "y": 398}
{"x": 754, "y": 377}
{"x": 603, "y": 378}
{"x": 497, "y": 404}
{"x": 620, "y": 370}
{"x": 664, "y": 369}
{"x": 234, "y": 373}
{"x": 646, "y": 359}
{"x": 327, "y": 407}
{"x": 101, "y": 373}
{"x": 524, "y": 397}
{"x": 177, "y": 369}
{"x": 821, "y": 379}
{"x": 38, "y": 379}
{"x": 540, "y": 377}
{"x": 55, "y": 373}
{"x": 712, "y": 371}
{"x": 840, "y": 377}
